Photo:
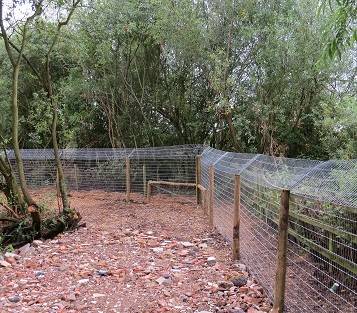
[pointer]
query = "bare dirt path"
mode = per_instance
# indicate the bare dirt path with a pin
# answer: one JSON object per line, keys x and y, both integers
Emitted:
{"x": 137, "y": 257}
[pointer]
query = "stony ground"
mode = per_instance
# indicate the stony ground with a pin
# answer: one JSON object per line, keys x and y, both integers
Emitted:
{"x": 136, "y": 257}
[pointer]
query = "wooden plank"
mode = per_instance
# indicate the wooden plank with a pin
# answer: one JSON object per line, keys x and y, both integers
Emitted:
{"x": 345, "y": 263}
{"x": 236, "y": 218}
{"x": 338, "y": 232}
{"x": 332, "y": 229}
{"x": 280, "y": 275}
{"x": 202, "y": 188}
{"x": 150, "y": 183}
{"x": 127, "y": 178}
{"x": 211, "y": 195}
{"x": 171, "y": 183}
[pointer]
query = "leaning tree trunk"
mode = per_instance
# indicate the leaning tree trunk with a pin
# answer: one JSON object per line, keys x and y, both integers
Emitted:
{"x": 61, "y": 180}
{"x": 47, "y": 83}
{"x": 33, "y": 208}
{"x": 11, "y": 189}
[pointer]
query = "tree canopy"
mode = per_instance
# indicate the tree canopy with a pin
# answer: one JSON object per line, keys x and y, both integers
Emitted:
{"x": 245, "y": 75}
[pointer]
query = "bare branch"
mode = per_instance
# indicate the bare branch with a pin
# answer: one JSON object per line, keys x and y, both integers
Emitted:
{"x": 38, "y": 11}
{"x": 34, "y": 70}
{"x": 5, "y": 36}
{"x": 63, "y": 23}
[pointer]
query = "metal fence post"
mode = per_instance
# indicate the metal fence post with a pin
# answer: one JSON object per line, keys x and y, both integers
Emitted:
{"x": 236, "y": 218}
{"x": 280, "y": 276}
{"x": 211, "y": 195}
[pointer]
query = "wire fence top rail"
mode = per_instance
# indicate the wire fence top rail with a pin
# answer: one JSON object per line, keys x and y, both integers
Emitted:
{"x": 333, "y": 181}
{"x": 110, "y": 153}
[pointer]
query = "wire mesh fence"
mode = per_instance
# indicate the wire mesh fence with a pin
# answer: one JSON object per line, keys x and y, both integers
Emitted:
{"x": 322, "y": 229}
{"x": 106, "y": 169}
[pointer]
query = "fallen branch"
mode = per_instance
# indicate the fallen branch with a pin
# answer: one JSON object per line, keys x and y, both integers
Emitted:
{"x": 11, "y": 211}
{"x": 8, "y": 219}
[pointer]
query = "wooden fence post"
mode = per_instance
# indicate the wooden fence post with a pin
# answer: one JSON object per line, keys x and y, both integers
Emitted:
{"x": 211, "y": 195}
{"x": 76, "y": 176}
{"x": 204, "y": 201}
{"x": 148, "y": 191}
{"x": 236, "y": 218}
{"x": 144, "y": 178}
{"x": 198, "y": 178}
{"x": 280, "y": 276}
{"x": 127, "y": 178}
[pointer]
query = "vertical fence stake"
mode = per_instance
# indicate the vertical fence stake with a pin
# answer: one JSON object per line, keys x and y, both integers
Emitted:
{"x": 144, "y": 178}
{"x": 148, "y": 191}
{"x": 331, "y": 248}
{"x": 198, "y": 178}
{"x": 127, "y": 178}
{"x": 211, "y": 195}
{"x": 76, "y": 175}
{"x": 280, "y": 276}
{"x": 236, "y": 218}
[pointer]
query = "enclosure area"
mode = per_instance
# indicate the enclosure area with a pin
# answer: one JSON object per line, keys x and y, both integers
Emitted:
{"x": 183, "y": 205}
{"x": 131, "y": 257}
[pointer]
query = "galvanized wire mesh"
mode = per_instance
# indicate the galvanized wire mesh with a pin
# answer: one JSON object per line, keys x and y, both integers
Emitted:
{"x": 322, "y": 242}
{"x": 105, "y": 169}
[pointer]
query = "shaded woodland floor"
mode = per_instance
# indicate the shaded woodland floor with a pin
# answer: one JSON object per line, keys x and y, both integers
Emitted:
{"x": 132, "y": 257}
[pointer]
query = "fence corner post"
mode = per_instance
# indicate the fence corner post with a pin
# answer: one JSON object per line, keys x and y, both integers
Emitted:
{"x": 198, "y": 178}
{"x": 211, "y": 195}
{"x": 280, "y": 275}
{"x": 127, "y": 178}
{"x": 236, "y": 219}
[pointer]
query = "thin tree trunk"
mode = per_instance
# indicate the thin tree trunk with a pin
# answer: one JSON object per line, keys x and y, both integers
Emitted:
{"x": 11, "y": 188}
{"x": 232, "y": 130}
{"x": 33, "y": 208}
{"x": 48, "y": 85}
{"x": 61, "y": 180}
{"x": 15, "y": 137}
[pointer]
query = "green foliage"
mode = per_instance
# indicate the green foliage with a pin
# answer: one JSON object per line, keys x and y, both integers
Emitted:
{"x": 338, "y": 128}
{"x": 148, "y": 73}
{"x": 341, "y": 32}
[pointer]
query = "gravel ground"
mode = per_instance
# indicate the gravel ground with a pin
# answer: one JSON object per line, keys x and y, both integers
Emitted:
{"x": 131, "y": 257}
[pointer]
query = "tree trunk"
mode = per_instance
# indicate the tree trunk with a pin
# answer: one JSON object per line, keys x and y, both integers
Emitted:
{"x": 15, "y": 141}
{"x": 61, "y": 180}
{"x": 11, "y": 188}
{"x": 232, "y": 130}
